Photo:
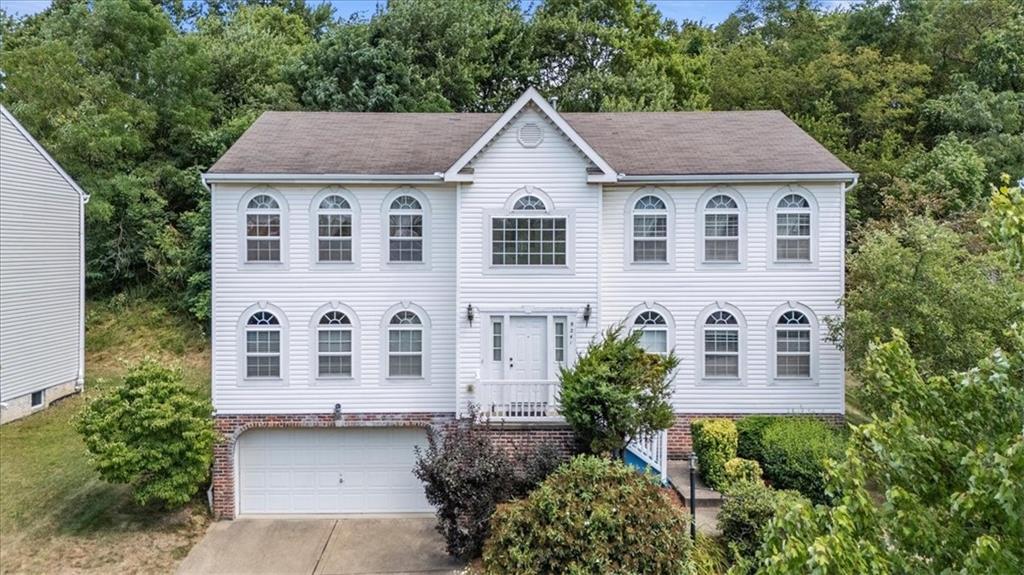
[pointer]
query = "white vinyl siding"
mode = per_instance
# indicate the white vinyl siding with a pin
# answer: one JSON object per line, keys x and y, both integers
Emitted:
{"x": 757, "y": 289}
{"x": 370, "y": 289}
{"x": 41, "y": 305}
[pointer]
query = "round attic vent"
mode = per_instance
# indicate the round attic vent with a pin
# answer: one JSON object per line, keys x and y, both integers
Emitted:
{"x": 530, "y": 135}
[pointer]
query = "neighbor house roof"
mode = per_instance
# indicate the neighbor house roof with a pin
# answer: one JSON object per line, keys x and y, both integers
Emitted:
{"x": 632, "y": 143}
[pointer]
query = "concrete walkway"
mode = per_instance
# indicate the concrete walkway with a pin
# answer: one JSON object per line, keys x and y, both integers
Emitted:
{"x": 321, "y": 547}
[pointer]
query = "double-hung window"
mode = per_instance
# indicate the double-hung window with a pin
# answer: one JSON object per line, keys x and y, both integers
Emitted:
{"x": 721, "y": 230}
{"x": 793, "y": 346}
{"x": 262, "y": 346}
{"x": 262, "y": 229}
{"x": 653, "y": 332}
{"x": 405, "y": 345}
{"x": 793, "y": 229}
{"x": 334, "y": 230}
{"x": 721, "y": 346}
{"x": 334, "y": 345}
{"x": 405, "y": 230}
{"x": 529, "y": 236}
{"x": 650, "y": 230}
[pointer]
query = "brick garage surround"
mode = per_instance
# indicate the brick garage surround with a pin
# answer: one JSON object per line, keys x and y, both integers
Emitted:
{"x": 680, "y": 439}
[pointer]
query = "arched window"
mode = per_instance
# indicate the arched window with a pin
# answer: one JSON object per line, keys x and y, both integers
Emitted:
{"x": 262, "y": 346}
{"x": 262, "y": 229}
{"x": 405, "y": 345}
{"x": 721, "y": 346}
{"x": 334, "y": 229}
{"x": 793, "y": 229}
{"x": 721, "y": 229}
{"x": 528, "y": 203}
{"x": 653, "y": 331}
{"x": 793, "y": 345}
{"x": 334, "y": 345}
{"x": 405, "y": 230}
{"x": 650, "y": 230}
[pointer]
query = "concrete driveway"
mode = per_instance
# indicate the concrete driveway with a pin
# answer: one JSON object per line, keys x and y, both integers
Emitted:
{"x": 321, "y": 547}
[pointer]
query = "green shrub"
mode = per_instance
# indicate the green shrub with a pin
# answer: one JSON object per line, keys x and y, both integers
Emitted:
{"x": 710, "y": 556}
{"x": 593, "y": 515}
{"x": 795, "y": 451}
{"x": 152, "y": 433}
{"x": 714, "y": 441}
{"x": 750, "y": 430}
{"x": 616, "y": 391}
{"x": 739, "y": 470}
{"x": 746, "y": 511}
{"x": 466, "y": 476}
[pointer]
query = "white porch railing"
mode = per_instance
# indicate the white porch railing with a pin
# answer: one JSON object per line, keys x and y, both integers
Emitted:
{"x": 653, "y": 450}
{"x": 518, "y": 400}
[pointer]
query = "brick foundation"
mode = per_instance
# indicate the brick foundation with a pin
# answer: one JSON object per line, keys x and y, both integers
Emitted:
{"x": 680, "y": 439}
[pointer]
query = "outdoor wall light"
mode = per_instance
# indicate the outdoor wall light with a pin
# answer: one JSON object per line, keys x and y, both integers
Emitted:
{"x": 586, "y": 315}
{"x": 470, "y": 314}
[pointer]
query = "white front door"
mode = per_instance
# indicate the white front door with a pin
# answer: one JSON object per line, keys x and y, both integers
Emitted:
{"x": 307, "y": 471}
{"x": 527, "y": 353}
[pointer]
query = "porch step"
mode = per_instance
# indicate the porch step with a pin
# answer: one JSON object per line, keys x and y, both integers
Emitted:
{"x": 679, "y": 478}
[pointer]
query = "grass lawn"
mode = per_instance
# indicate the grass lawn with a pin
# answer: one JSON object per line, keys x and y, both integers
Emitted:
{"x": 56, "y": 515}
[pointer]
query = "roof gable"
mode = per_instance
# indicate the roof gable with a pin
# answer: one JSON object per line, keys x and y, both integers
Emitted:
{"x": 530, "y": 97}
{"x": 42, "y": 152}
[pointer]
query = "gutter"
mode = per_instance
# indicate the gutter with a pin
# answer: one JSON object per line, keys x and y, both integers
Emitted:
{"x": 729, "y": 178}
{"x": 324, "y": 178}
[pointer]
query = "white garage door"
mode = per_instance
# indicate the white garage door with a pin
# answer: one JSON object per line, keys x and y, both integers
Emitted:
{"x": 330, "y": 471}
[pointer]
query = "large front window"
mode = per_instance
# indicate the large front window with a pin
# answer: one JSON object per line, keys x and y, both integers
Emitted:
{"x": 526, "y": 239}
{"x": 263, "y": 229}
{"x": 405, "y": 230}
{"x": 334, "y": 345}
{"x": 405, "y": 345}
{"x": 262, "y": 346}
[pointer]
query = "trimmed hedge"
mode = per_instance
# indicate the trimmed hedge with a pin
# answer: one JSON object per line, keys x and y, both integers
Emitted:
{"x": 794, "y": 450}
{"x": 739, "y": 470}
{"x": 714, "y": 441}
{"x": 593, "y": 515}
{"x": 750, "y": 430}
{"x": 747, "y": 509}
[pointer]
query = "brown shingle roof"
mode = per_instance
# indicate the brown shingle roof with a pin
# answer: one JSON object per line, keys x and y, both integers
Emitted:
{"x": 634, "y": 143}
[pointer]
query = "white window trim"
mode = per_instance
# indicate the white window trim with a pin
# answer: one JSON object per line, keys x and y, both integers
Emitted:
{"x": 773, "y": 210}
{"x": 701, "y": 326}
{"x": 243, "y": 212}
{"x": 670, "y": 244}
{"x": 314, "y": 224}
{"x": 773, "y": 327}
{"x": 386, "y": 228}
{"x": 670, "y": 324}
{"x": 282, "y": 320}
{"x": 741, "y": 204}
{"x": 385, "y": 341}
{"x": 499, "y": 369}
{"x": 314, "y": 347}
{"x": 550, "y": 212}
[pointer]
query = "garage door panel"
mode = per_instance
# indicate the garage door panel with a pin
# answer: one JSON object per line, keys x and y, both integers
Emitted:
{"x": 297, "y": 471}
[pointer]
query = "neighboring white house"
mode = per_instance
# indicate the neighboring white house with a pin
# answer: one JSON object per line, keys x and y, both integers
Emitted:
{"x": 42, "y": 285}
{"x": 377, "y": 273}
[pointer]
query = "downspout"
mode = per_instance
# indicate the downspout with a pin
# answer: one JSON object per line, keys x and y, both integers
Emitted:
{"x": 80, "y": 381}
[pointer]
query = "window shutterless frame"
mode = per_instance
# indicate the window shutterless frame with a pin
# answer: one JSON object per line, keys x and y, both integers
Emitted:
{"x": 721, "y": 340}
{"x": 334, "y": 341}
{"x": 335, "y": 220}
{"x": 405, "y": 346}
{"x": 263, "y": 228}
{"x": 263, "y": 344}
{"x": 793, "y": 233}
{"x": 793, "y": 336}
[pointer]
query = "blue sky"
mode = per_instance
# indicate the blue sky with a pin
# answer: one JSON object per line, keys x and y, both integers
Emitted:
{"x": 706, "y": 11}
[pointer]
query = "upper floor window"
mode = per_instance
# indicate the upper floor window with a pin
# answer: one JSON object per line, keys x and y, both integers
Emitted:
{"x": 528, "y": 238}
{"x": 334, "y": 345}
{"x": 262, "y": 229}
{"x": 793, "y": 229}
{"x": 650, "y": 230}
{"x": 653, "y": 331}
{"x": 405, "y": 230}
{"x": 721, "y": 345}
{"x": 405, "y": 345}
{"x": 334, "y": 230}
{"x": 721, "y": 229}
{"x": 263, "y": 345}
{"x": 793, "y": 345}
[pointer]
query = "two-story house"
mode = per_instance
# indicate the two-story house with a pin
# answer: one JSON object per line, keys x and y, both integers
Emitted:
{"x": 374, "y": 274}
